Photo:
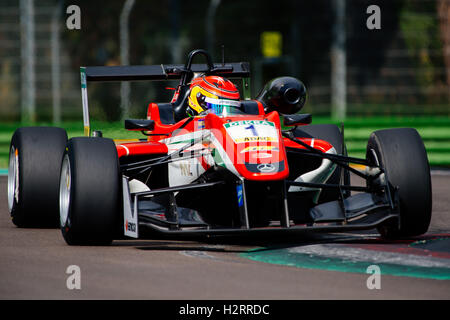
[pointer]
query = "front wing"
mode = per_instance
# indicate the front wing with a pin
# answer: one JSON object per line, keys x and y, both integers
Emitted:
{"x": 359, "y": 212}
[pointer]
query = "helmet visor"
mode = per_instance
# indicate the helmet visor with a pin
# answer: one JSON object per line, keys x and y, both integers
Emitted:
{"x": 223, "y": 107}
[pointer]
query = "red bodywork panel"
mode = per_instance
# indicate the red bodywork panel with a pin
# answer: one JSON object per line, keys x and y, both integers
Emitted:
{"x": 140, "y": 148}
{"x": 244, "y": 155}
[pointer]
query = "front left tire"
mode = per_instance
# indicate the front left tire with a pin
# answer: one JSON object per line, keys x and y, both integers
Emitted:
{"x": 402, "y": 154}
{"x": 90, "y": 192}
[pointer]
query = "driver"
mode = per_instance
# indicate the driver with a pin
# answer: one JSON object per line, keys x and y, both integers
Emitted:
{"x": 213, "y": 94}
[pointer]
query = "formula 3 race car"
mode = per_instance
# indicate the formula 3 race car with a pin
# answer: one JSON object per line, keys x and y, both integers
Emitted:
{"x": 232, "y": 169}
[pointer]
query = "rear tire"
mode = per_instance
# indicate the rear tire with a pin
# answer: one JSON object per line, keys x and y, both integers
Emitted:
{"x": 90, "y": 192}
{"x": 331, "y": 134}
{"x": 33, "y": 175}
{"x": 402, "y": 153}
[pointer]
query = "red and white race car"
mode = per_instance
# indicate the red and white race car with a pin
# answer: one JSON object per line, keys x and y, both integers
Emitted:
{"x": 215, "y": 164}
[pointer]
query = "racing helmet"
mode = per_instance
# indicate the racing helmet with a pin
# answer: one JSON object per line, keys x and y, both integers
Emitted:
{"x": 213, "y": 94}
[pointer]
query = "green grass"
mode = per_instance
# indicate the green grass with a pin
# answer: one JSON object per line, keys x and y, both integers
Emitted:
{"x": 389, "y": 122}
{"x": 435, "y": 132}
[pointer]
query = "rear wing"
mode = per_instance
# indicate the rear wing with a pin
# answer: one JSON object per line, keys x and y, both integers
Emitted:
{"x": 163, "y": 72}
{"x": 238, "y": 70}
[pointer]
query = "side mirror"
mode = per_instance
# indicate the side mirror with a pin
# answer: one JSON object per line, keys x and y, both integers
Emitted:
{"x": 139, "y": 125}
{"x": 297, "y": 119}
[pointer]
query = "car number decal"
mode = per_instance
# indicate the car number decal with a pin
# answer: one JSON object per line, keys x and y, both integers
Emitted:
{"x": 252, "y": 131}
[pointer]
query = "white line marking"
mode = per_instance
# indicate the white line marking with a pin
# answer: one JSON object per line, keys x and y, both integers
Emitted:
{"x": 196, "y": 254}
{"x": 363, "y": 255}
{"x": 438, "y": 172}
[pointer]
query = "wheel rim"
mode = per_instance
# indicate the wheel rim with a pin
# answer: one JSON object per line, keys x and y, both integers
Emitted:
{"x": 375, "y": 157}
{"x": 13, "y": 178}
{"x": 64, "y": 191}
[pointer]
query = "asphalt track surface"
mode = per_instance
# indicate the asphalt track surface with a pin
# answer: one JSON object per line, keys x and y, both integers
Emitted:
{"x": 33, "y": 265}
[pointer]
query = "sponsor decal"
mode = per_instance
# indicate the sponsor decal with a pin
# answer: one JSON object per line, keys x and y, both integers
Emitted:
{"x": 266, "y": 167}
{"x": 201, "y": 124}
{"x": 248, "y": 123}
{"x": 240, "y": 195}
{"x": 256, "y": 139}
{"x": 83, "y": 77}
{"x": 261, "y": 155}
{"x": 130, "y": 226}
{"x": 185, "y": 168}
{"x": 259, "y": 148}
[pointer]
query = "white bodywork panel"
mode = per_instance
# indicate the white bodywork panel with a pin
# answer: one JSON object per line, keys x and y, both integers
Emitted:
{"x": 130, "y": 214}
{"x": 187, "y": 170}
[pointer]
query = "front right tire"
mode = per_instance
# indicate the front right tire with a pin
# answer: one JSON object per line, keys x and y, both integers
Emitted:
{"x": 33, "y": 176}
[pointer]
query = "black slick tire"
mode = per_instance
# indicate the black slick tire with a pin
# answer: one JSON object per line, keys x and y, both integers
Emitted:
{"x": 402, "y": 154}
{"x": 33, "y": 175}
{"x": 90, "y": 192}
